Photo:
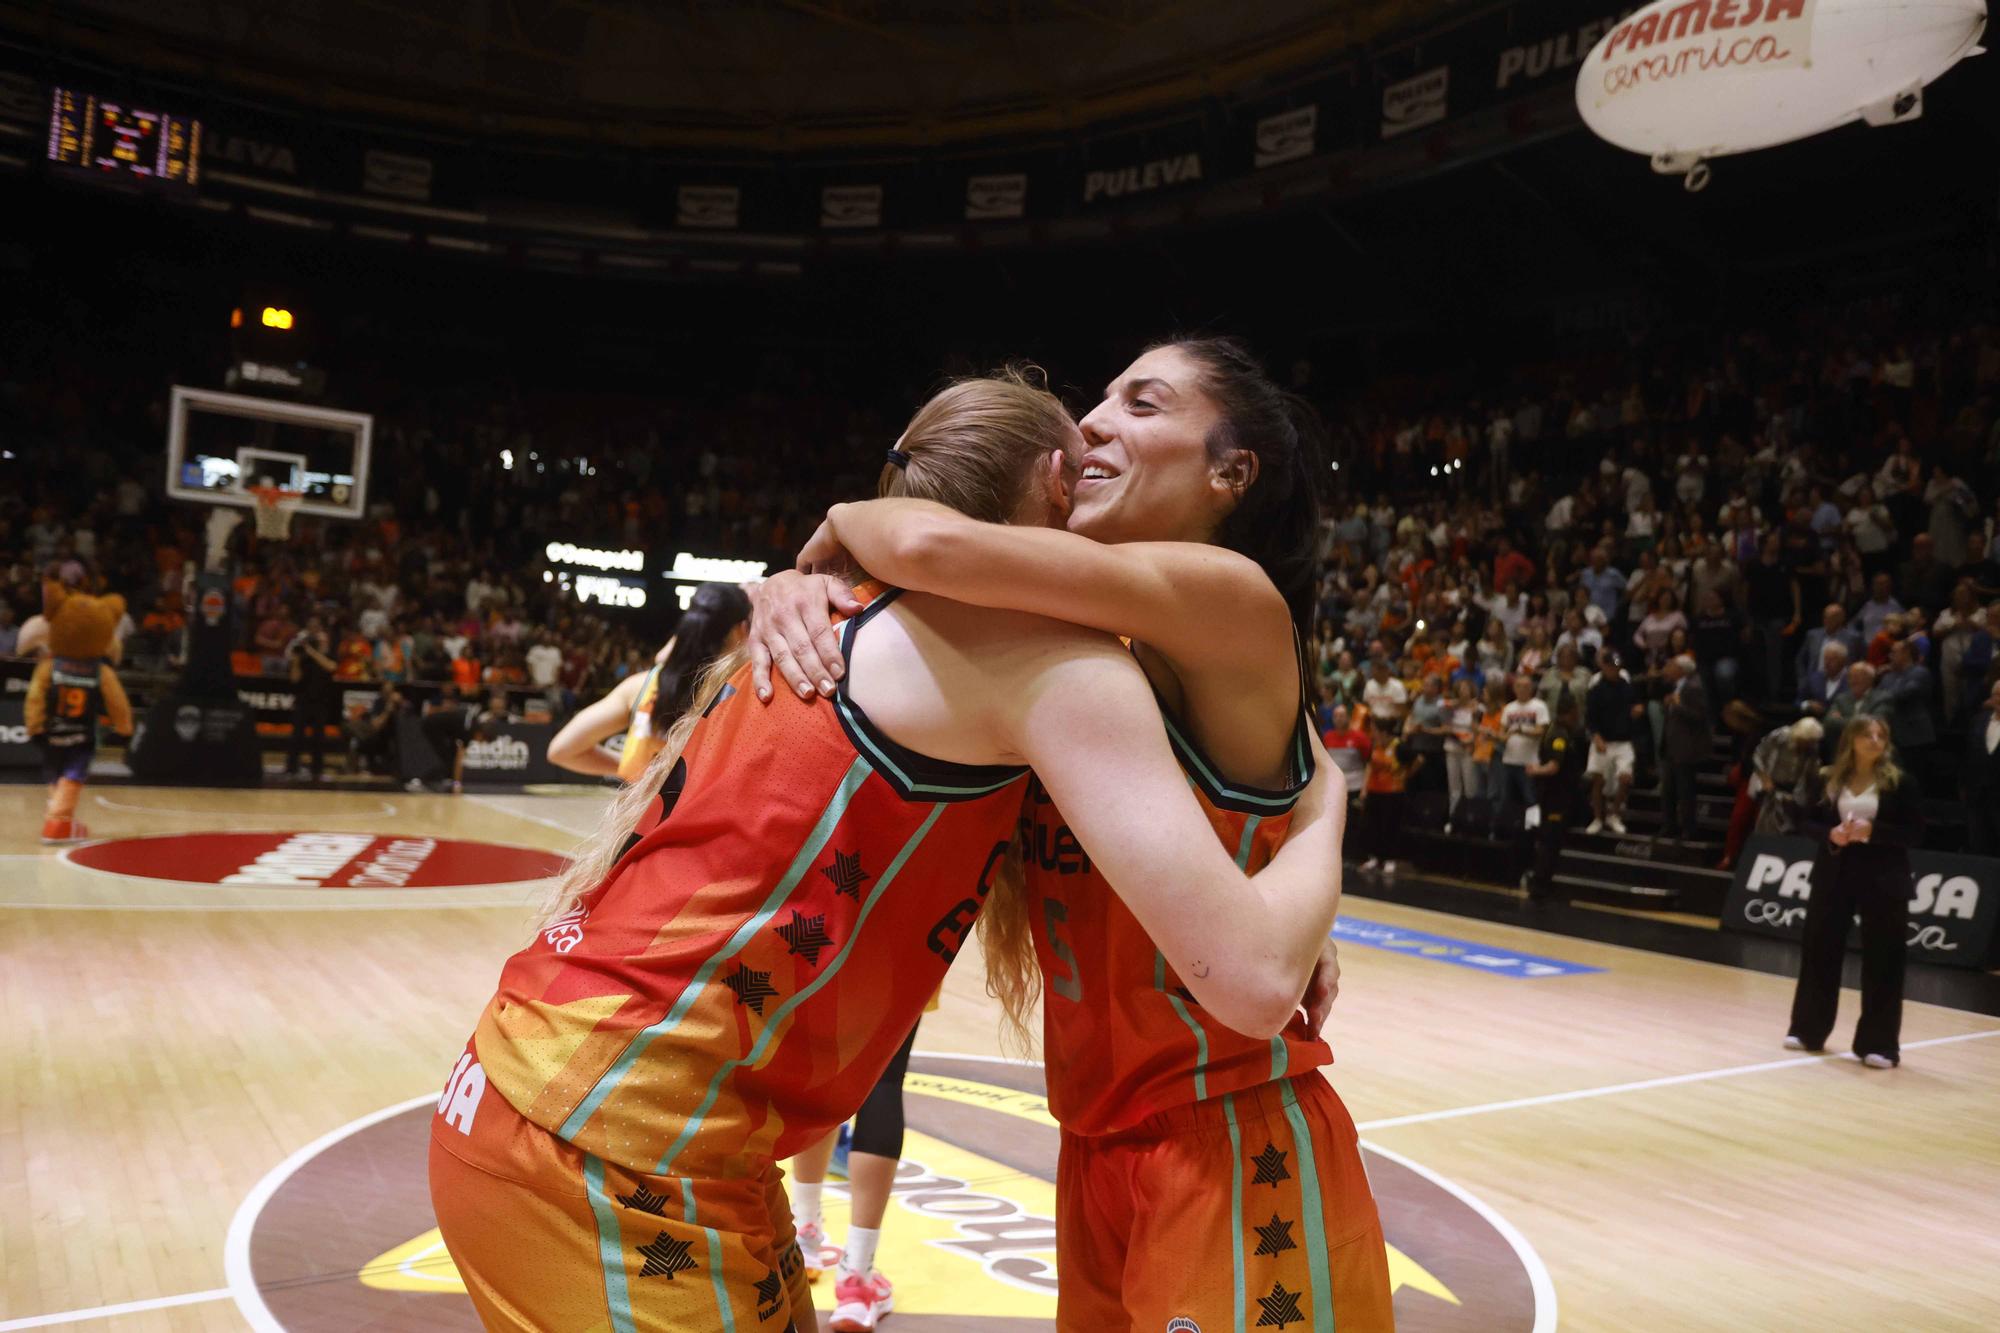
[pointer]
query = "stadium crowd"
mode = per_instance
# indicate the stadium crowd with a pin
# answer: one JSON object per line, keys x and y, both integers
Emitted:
{"x": 1670, "y": 531}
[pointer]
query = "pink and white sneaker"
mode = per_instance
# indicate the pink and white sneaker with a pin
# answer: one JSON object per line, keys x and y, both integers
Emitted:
{"x": 820, "y": 1257}
{"x": 859, "y": 1301}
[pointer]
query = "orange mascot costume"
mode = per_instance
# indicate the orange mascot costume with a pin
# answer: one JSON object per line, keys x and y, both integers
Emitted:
{"x": 71, "y": 688}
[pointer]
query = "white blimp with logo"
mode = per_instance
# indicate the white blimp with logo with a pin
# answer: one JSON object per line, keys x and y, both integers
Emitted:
{"x": 1687, "y": 80}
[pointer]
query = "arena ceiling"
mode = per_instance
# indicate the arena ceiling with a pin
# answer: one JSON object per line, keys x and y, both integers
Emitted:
{"x": 760, "y": 75}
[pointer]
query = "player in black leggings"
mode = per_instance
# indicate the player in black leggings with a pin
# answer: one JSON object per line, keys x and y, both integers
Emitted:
{"x": 861, "y": 1295}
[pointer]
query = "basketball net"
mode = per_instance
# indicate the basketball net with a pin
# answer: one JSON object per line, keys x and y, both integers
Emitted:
{"x": 275, "y": 507}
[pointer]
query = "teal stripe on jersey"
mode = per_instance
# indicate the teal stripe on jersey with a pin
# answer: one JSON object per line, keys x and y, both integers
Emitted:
{"x": 1236, "y": 1208}
{"x": 1191, "y": 757}
{"x": 610, "y": 1254}
{"x": 714, "y": 1258}
{"x": 881, "y": 760}
{"x": 1200, "y": 1035}
{"x": 836, "y": 809}
{"x": 1281, "y": 1057}
{"x": 755, "y": 1054}
{"x": 1322, "y": 1276}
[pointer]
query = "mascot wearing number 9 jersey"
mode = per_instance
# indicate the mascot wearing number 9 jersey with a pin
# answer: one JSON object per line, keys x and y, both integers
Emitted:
{"x": 71, "y": 688}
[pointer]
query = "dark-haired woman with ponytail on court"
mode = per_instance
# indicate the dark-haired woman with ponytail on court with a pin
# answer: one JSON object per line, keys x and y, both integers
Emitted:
{"x": 1866, "y": 814}
{"x": 1194, "y": 532}
{"x": 645, "y": 706}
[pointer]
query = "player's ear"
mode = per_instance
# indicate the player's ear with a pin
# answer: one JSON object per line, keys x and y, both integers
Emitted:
{"x": 1054, "y": 478}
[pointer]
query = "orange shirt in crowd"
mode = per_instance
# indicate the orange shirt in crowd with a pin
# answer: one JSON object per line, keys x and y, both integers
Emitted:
{"x": 1385, "y": 770}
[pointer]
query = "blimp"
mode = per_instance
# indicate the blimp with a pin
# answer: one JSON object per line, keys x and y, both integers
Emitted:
{"x": 1684, "y": 81}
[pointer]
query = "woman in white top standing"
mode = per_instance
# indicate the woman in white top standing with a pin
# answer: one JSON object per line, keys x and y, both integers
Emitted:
{"x": 1866, "y": 814}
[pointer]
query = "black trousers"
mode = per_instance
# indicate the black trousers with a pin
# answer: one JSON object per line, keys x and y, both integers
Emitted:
{"x": 878, "y": 1125}
{"x": 1982, "y": 822}
{"x": 1677, "y": 807}
{"x": 310, "y": 719}
{"x": 1380, "y": 815}
{"x": 1882, "y": 897}
{"x": 1549, "y": 839}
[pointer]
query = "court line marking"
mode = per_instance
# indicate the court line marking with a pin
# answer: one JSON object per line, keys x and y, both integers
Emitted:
{"x": 1643, "y": 1085}
{"x": 493, "y": 903}
{"x": 110, "y": 1311}
{"x": 236, "y": 1247}
{"x": 1539, "y": 1280}
{"x": 381, "y": 807}
{"x": 488, "y": 803}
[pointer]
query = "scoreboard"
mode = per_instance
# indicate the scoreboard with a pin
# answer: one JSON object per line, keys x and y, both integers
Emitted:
{"x": 96, "y": 134}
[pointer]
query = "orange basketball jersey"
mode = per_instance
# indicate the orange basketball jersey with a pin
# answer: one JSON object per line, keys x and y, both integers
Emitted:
{"x": 742, "y": 977}
{"x": 1124, "y": 1040}
{"x": 644, "y": 737}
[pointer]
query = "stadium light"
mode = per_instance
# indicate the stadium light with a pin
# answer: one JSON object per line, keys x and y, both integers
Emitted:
{"x": 275, "y": 318}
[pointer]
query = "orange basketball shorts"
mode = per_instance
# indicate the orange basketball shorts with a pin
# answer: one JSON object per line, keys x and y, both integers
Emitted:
{"x": 550, "y": 1239}
{"x": 1249, "y": 1211}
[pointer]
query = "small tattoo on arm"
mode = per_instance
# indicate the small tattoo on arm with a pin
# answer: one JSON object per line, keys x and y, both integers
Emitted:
{"x": 1200, "y": 969}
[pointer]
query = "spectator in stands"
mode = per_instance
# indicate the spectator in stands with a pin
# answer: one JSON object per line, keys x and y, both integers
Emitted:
{"x": 10, "y": 632}
{"x": 1923, "y": 579}
{"x": 1957, "y": 628}
{"x": 1495, "y": 652}
{"x": 1866, "y": 815}
{"x": 1872, "y": 531}
{"x": 1777, "y": 766}
{"x": 1510, "y": 567}
{"x": 1382, "y": 798}
{"x": 1881, "y": 604}
{"x": 1823, "y": 684}
{"x": 1567, "y": 673}
{"x": 1857, "y": 700}
{"x": 1603, "y": 585}
{"x": 1775, "y": 600}
{"x": 1902, "y": 697}
{"x": 1465, "y": 777}
{"x": 1610, "y": 710}
{"x": 1348, "y": 746}
{"x": 1954, "y": 509}
{"x": 1981, "y": 777}
{"x": 1832, "y": 627}
{"x": 1688, "y": 739}
{"x": 1580, "y": 634}
{"x": 1387, "y": 698}
{"x": 1660, "y": 623}
{"x": 466, "y": 673}
{"x": 1425, "y": 733}
{"x": 1523, "y": 722}
{"x": 1717, "y": 633}
{"x": 1558, "y": 773}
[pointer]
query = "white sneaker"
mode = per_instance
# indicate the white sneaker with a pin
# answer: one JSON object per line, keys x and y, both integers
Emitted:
{"x": 1388, "y": 867}
{"x": 1447, "y": 826}
{"x": 1614, "y": 823}
{"x": 819, "y": 1256}
{"x": 1596, "y": 826}
{"x": 860, "y": 1301}
{"x": 1372, "y": 863}
{"x": 1794, "y": 1044}
{"x": 1878, "y": 1062}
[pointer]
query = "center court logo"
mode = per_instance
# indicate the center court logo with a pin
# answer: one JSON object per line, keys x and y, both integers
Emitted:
{"x": 316, "y": 860}
{"x": 342, "y": 1236}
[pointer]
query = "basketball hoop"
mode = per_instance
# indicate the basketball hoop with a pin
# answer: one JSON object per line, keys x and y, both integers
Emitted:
{"x": 275, "y": 507}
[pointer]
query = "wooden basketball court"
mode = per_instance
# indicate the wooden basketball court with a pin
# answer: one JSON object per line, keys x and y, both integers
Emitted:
{"x": 214, "y": 1097}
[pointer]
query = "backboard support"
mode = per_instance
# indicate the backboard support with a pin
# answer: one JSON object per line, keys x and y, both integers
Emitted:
{"x": 219, "y": 446}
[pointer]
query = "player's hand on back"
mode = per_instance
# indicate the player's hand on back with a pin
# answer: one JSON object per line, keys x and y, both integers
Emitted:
{"x": 791, "y": 627}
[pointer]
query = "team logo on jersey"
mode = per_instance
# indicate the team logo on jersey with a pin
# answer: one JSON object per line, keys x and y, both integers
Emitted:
{"x": 970, "y": 1239}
